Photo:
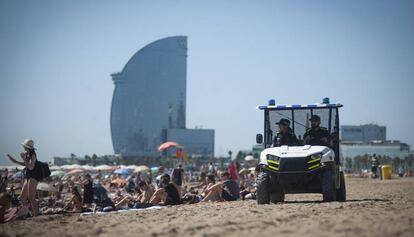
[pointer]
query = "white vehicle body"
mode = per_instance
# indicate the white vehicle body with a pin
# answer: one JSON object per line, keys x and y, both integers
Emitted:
{"x": 326, "y": 154}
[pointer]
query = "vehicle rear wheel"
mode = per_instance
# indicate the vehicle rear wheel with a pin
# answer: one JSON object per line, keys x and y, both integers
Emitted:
{"x": 262, "y": 188}
{"x": 341, "y": 191}
{"x": 328, "y": 186}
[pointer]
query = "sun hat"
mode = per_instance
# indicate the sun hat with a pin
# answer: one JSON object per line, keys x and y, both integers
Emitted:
{"x": 28, "y": 143}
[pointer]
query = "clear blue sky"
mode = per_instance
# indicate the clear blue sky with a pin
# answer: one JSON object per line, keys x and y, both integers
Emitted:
{"x": 56, "y": 58}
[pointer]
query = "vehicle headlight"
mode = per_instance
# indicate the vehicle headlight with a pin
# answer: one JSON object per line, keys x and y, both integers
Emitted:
{"x": 316, "y": 156}
{"x": 273, "y": 158}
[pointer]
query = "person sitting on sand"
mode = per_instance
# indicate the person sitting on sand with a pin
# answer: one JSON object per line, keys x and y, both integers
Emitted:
{"x": 146, "y": 193}
{"x": 227, "y": 190}
{"x": 5, "y": 203}
{"x": 98, "y": 175}
{"x": 118, "y": 197}
{"x": 75, "y": 203}
{"x": 123, "y": 202}
{"x": 231, "y": 190}
{"x": 202, "y": 181}
{"x": 87, "y": 183}
{"x": 247, "y": 189}
{"x": 167, "y": 194}
{"x": 212, "y": 192}
{"x": 103, "y": 202}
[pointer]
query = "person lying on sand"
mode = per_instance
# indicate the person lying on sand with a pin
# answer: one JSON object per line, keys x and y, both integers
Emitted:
{"x": 167, "y": 194}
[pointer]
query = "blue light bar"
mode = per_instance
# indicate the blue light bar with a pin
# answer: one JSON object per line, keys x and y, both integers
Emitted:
{"x": 309, "y": 106}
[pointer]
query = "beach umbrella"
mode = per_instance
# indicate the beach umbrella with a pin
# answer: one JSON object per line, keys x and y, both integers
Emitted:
{"x": 119, "y": 181}
{"x": 55, "y": 167}
{"x": 75, "y": 171}
{"x": 104, "y": 167}
{"x": 13, "y": 167}
{"x": 121, "y": 171}
{"x": 65, "y": 167}
{"x": 167, "y": 145}
{"x": 46, "y": 187}
{"x": 71, "y": 167}
{"x": 57, "y": 173}
{"x": 18, "y": 175}
{"x": 131, "y": 167}
{"x": 141, "y": 168}
{"x": 249, "y": 158}
{"x": 87, "y": 167}
{"x": 243, "y": 171}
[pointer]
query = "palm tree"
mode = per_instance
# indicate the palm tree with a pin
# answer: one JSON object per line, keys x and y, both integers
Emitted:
{"x": 94, "y": 157}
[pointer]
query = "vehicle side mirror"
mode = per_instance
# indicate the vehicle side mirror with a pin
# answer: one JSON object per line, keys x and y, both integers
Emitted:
{"x": 259, "y": 138}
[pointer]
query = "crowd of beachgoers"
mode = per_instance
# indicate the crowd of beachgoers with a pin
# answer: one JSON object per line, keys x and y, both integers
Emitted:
{"x": 78, "y": 189}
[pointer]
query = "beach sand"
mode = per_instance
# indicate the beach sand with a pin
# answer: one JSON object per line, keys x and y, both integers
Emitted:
{"x": 374, "y": 208}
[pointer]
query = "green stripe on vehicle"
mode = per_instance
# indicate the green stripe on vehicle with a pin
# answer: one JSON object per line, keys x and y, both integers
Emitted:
{"x": 311, "y": 161}
{"x": 273, "y": 168}
{"x": 273, "y": 162}
{"x": 314, "y": 166}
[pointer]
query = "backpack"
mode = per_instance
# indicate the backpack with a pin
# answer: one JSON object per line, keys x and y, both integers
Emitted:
{"x": 45, "y": 169}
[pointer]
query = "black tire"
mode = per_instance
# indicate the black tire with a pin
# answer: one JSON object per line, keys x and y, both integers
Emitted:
{"x": 262, "y": 188}
{"x": 277, "y": 196}
{"x": 341, "y": 191}
{"x": 276, "y": 193}
{"x": 328, "y": 186}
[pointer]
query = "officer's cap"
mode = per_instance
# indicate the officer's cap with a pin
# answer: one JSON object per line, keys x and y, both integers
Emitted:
{"x": 283, "y": 122}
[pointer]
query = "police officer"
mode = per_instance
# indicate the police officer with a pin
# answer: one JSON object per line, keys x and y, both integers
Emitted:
{"x": 316, "y": 135}
{"x": 285, "y": 136}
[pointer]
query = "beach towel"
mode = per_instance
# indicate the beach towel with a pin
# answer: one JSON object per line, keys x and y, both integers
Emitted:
{"x": 9, "y": 215}
{"x": 120, "y": 211}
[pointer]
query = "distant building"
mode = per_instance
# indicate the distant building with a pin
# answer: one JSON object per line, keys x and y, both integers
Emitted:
{"x": 60, "y": 161}
{"x": 363, "y": 133}
{"x": 391, "y": 149}
{"x": 196, "y": 142}
{"x": 370, "y": 139}
{"x": 149, "y": 102}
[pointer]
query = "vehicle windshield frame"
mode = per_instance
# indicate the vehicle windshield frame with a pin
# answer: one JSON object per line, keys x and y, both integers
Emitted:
{"x": 267, "y": 127}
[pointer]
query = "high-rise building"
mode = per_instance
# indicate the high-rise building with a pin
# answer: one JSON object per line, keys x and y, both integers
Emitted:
{"x": 150, "y": 98}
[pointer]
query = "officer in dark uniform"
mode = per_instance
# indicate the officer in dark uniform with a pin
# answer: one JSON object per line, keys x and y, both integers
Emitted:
{"x": 285, "y": 136}
{"x": 316, "y": 135}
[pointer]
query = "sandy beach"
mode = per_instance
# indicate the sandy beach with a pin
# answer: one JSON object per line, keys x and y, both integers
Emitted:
{"x": 374, "y": 208}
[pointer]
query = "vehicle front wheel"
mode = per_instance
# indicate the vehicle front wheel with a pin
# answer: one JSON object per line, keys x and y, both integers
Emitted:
{"x": 277, "y": 196}
{"x": 328, "y": 186}
{"x": 262, "y": 188}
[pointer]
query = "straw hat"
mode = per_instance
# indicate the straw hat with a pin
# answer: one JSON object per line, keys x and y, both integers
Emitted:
{"x": 28, "y": 143}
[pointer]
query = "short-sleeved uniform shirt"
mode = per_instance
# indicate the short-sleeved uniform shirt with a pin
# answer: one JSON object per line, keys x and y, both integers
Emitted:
{"x": 285, "y": 139}
{"x": 316, "y": 136}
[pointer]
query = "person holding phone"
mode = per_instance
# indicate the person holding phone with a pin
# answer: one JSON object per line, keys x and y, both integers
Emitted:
{"x": 33, "y": 175}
